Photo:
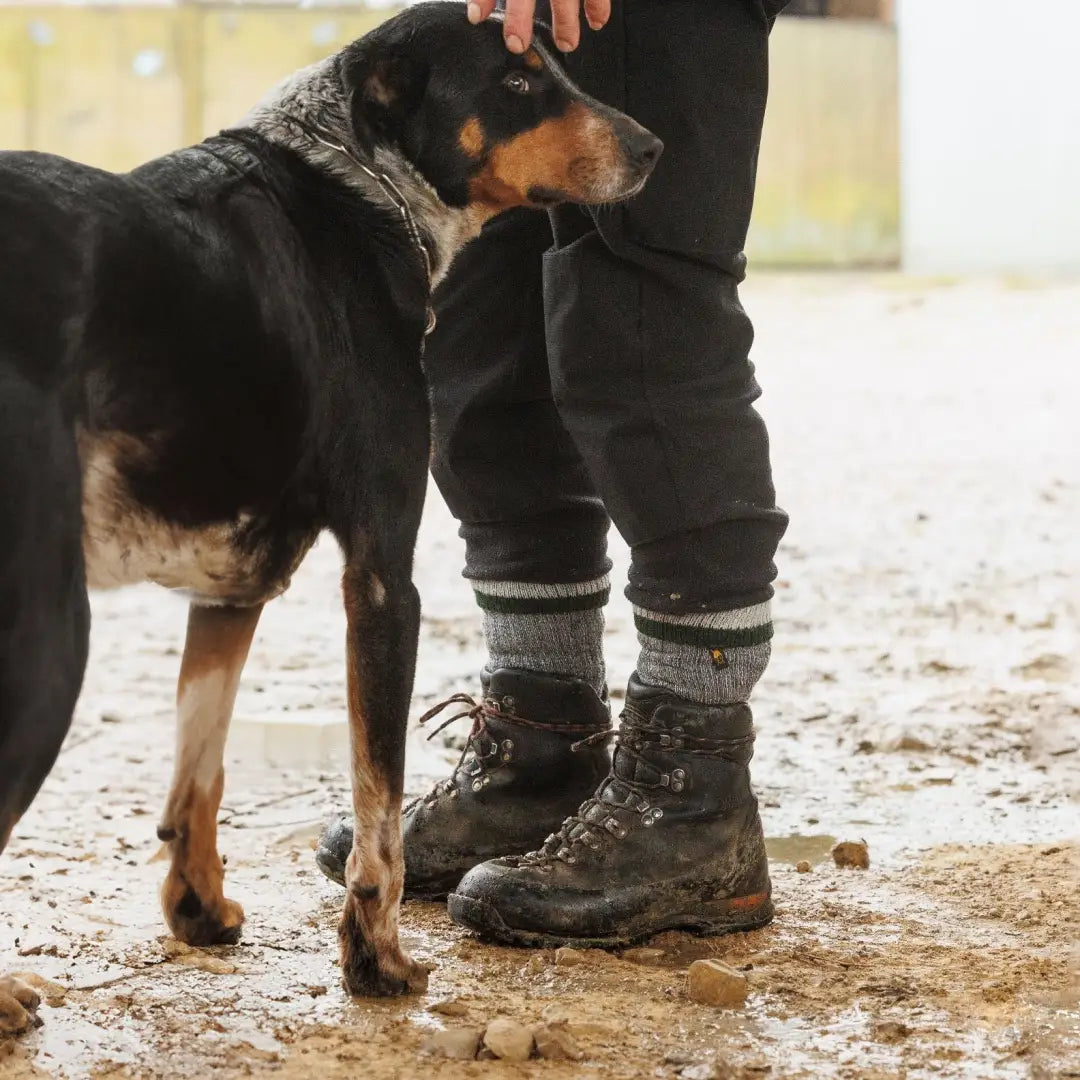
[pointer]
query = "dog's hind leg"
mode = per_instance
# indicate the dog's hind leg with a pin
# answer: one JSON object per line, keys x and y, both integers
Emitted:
{"x": 193, "y": 898}
{"x": 44, "y": 611}
{"x": 383, "y": 612}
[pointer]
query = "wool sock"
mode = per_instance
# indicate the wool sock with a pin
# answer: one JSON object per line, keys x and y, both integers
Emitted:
{"x": 549, "y": 629}
{"x": 711, "y": 657}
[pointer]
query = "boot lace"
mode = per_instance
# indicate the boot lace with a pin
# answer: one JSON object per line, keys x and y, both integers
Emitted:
{"x": 484, "y": 752}
{"x": 586, "y": 832}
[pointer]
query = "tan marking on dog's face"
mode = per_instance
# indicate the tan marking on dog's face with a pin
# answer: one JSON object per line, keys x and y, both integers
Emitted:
{"x": 471, "y": 138}
{"x": 533, "y": 61}
{"x": 575, "y": 155}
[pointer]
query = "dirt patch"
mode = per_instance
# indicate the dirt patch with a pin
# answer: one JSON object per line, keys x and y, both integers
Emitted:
{"x": 920, "y": 697}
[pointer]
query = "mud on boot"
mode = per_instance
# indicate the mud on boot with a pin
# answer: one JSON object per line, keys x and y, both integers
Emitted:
{"x": 527, "y": 763}
{"x": 671, "y": 840}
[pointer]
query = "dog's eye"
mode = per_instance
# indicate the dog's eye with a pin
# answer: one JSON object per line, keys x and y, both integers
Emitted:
{"x": 516, "y": 83}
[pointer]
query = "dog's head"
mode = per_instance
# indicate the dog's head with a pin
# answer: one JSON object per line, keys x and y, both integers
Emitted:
{"x": 486, "y": 127}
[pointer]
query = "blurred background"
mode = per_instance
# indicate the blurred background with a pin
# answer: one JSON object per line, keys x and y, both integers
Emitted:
{"x": 912, "y": 133}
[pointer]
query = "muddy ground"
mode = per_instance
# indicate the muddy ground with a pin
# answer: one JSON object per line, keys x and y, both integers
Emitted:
{"x": 923, "y": 697}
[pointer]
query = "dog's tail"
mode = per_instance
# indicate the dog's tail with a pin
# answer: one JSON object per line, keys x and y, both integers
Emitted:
{"x": 44, "y": 610}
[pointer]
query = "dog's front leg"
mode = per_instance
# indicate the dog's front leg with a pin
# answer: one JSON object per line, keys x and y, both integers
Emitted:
{"x": 383, "y": 613}
{"x": 192, "y": 898}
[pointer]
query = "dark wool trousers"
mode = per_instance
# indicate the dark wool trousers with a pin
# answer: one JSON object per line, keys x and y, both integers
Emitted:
{"x": 597, "y": 363}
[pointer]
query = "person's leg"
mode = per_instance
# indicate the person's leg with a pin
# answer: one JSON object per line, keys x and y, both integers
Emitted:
{"x": 535, "y": 531}
{"x": 649, "y": 351}
{"x": 536, "y": 556}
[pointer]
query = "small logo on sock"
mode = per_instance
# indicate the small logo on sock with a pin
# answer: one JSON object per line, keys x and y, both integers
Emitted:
{"x": 719, "y": 658}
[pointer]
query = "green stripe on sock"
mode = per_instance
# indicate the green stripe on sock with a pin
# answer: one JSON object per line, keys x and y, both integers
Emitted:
{"x": 540, "y": 605}
{"x": 706, "y": 637}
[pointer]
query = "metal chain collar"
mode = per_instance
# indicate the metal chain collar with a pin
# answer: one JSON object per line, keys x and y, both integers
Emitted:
{"x": 393, "y": 195}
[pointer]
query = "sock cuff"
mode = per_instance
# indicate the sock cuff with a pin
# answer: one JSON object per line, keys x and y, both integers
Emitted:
{"x": 531, "y": 598}
{"x": 741, "y": 628}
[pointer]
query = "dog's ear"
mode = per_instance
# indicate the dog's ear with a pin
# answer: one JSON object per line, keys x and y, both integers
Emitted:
{"x": 387, "y": 89}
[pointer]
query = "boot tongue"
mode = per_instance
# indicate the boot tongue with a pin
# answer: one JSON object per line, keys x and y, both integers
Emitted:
{"x": 629, "y": 767}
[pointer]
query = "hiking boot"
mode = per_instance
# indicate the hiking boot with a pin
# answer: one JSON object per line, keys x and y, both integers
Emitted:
{"x": 671, "y": 840}
{"x": 530, "y": 758}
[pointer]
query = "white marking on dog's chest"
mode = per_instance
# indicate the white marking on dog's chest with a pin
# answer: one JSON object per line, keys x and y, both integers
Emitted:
{"x": 125, "y": 544}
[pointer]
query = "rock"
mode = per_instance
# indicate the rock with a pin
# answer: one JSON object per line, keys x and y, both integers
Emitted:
{"x": 712, "y": 982}
{"x": 906, "y": 740}
{"x": 852, "y": 853}
{"x": 509, "y": 1040}
{"x": 448, "y": 1007}
{"x": 52, "y": 993}
{"x": 554, "y": 1042}
{"x": 214, "y": 965}
{"x": 565, "y": 957}
{"x": 18, "y": 1006}
{"x": 802, "y": 866}
{"x": 648, "y": 957}
{"x": 701, "y": 1071}
{"x": 938, "y": 776}
{"x": 678, "y": 1057}
{"x": 458, "y": 1044}
{"x": 891, "y": 1031}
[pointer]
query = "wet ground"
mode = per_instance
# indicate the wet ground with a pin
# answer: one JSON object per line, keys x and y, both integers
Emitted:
{"x": 923, "y": 698}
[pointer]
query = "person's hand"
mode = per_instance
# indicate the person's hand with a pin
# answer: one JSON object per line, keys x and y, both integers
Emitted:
{"x": 565, "y": 18}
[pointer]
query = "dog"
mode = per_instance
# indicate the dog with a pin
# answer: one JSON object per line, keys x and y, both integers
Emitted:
{"x": 208, "y": 361}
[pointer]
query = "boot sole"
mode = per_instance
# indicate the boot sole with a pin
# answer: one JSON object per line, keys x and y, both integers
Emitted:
{"x": 721, "y": 917}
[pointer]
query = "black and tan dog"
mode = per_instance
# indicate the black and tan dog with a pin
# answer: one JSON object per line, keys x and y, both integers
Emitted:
{"x": 207, "y": 361}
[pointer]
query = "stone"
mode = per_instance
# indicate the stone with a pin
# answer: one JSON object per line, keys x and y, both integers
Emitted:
{"x": 555, "y": 1043}
{"x": 509, "y": 1040}
{"x": 458, "y": 1044}
{"x": 702, "y": 1071}
{"x": 648, "y": 957}
{"x": 565, "y": 957}
{"x": 52, "y": 993}
{"x": 802, "y": 866}
{"x": 712, "y": 982}
{"x": 853, "y": 854}
{"x": 449, "y": 1007}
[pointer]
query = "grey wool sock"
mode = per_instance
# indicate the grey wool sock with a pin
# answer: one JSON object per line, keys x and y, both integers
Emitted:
{"x": 711, "y": 657}
{"x": 549, "y": 629}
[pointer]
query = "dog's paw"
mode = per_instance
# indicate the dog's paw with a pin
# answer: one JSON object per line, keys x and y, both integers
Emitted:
{"x": 18, "y": 1006}
{"x": 194, "y": 922}
{"x": 371, "y": 979}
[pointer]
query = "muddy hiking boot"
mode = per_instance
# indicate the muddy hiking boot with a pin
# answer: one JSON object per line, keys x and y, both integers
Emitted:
{"x": 531, "y": 757}
{"x": 670, "y": 840}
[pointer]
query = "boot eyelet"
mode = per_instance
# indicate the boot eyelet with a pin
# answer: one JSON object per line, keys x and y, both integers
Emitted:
{"x": 651, "y": 817}
{"x": 678, "y": 780}
{"x": 508, "y": 744}
{"x": 477, "y": 785}
{"x": 509, "y": 702}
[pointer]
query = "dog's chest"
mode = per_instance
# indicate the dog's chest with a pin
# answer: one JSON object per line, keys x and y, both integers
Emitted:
{"x": 125, "y": 543}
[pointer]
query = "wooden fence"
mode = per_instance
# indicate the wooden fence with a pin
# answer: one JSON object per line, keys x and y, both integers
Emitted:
{"x": 116, "y": 85}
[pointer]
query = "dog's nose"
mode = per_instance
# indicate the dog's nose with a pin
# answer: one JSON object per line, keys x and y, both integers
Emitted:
{"x": 643, "y": 148}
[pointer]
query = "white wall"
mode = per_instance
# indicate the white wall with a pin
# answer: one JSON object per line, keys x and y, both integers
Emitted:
{"x": 990, "y": 135}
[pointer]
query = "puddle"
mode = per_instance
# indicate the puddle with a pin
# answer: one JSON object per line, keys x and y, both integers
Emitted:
{"x": 796, "y": 848}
